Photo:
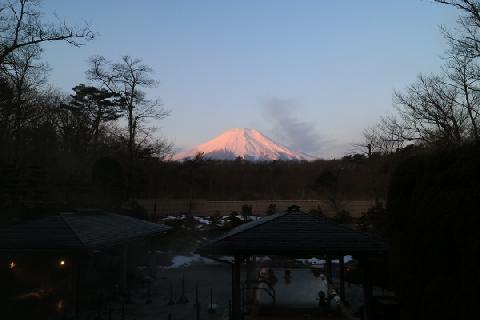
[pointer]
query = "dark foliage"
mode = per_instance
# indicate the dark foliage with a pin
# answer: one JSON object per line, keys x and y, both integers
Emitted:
{"x": 343, "y": 217}
{"x": 108, "y": 178}
{"x": 433, "y": 229}
{"x": 272, "y": 209}
{"x": 246, "y": 210}
{"x": 317, "y": 211}
{"x": 375, "y": 219}
{"x": 234, "y": 220}
{"x": 94, "y": 107}
{"x": 246, "y": 180}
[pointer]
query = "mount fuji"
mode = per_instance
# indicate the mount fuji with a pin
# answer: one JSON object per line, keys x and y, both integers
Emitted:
{"x": 247, "y": 143}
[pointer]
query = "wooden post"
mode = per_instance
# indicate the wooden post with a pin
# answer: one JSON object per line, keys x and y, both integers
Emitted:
{"x": 236, "y": 308}
{"x": 367, "y": 289}
{"x": 328, "y": 269}
{"x": 197, "y": 304}
{"x": 183, "y": 298}
{"x": 155, "y": 217}
{"x": 341, "y": 274}
{"x": 250, "y": 293}
{"x": 171, "y": 302}
{"x": 211, "y": 308}
{"x": 124, "y": 281}
{"x": 251, "y": 265}
{"x": 77, "y": 280}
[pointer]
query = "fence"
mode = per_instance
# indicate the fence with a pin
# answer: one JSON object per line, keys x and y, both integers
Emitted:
{"x": 163, "y": 207}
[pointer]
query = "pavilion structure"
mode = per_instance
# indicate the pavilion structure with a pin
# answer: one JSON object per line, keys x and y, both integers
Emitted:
{"x": 61, "y": 253}
{"x": 295, "y": 234}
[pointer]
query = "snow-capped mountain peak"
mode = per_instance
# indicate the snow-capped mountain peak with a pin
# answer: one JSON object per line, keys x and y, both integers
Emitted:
{"x": 247, "y": 143}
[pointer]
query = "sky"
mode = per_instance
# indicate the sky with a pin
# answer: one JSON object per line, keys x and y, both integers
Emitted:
{"x": 310, "y": 74}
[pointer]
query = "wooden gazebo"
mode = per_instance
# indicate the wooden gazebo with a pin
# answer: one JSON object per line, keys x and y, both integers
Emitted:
{"x": 295, "y": 234}
{"x": 79, "y": 231}
{"x": 67, "y": 243}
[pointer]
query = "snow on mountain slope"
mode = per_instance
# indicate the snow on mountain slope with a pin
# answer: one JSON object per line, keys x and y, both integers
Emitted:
{"x": 249, "y": 144}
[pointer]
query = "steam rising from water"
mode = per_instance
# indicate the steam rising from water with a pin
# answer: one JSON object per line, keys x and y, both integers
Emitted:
{"x": 293, "y": 132}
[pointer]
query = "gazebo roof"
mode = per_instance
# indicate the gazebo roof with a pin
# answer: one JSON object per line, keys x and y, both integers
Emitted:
{"x": 294, "y": 234}
{"x": 76, "y": 231}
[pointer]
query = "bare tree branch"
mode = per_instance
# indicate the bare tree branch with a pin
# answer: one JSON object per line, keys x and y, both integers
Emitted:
{"x": 21, "y": 26}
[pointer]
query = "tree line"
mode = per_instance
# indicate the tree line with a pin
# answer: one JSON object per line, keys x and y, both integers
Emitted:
{"x": 333, "y": 180}
{"x": 54, "y": 145}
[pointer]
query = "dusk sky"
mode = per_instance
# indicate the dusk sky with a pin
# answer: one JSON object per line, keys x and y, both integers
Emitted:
{"x": 310, "y": 74}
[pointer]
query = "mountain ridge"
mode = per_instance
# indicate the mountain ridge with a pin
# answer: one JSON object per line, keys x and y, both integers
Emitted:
{"x": 248, "y": 143}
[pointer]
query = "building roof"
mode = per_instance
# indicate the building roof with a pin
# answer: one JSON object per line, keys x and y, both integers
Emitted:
{"x": 76, "y": 231}
{"x": 294, "y": 234}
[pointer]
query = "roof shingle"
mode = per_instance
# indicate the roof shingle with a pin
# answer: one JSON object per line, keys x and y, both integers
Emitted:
{"x": 76, "y": 231}
{"x": 296, "y": 234}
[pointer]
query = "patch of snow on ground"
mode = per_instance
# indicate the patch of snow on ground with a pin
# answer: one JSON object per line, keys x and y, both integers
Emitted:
{"x": 185, "y": 261}
{"x": 202, "y": 220}
{"x": 227, "y": 258}
{"x": 263, "y": 259}
{"x": 180, "y": 217}
{"x": 312, "y": 261}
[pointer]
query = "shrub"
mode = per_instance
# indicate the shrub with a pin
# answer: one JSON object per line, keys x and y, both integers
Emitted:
{"x": 234, "y": 220}
{"x": 317, "y": 211}
{"x": 433, "y": 225}
{"x": 247, "y": 210}
{"x": 376, "y": 219}
{"x": 216, "y": 217}
{"x": 343, "y": 217}
{"x": 272, "y": 209}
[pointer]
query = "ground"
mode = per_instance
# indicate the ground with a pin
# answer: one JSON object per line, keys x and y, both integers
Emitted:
{"x": 214, "y": 281}
{"x": 176, "y": 261}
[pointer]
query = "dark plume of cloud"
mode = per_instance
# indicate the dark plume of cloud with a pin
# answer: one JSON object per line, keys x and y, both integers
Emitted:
{"x": 291, "y": 131}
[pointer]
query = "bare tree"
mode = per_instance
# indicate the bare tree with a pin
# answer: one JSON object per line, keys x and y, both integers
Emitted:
{"x": 387, "y": 136}
{"x": 126, "y": 79}
{"x": 6, "y": 103}
{"x": 435, "y": 109}
{"x": 443, "y": 108}
{"x": 462, "y": 67}
{"x": 26, "y": 75}
{"x": 21, "y": 25}
{"x": 430, "y": 112}
{"x": 466, "y": 38}
{"x": 464, "y": 75}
